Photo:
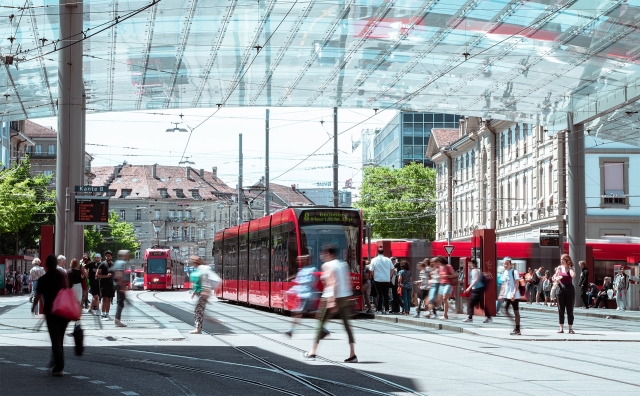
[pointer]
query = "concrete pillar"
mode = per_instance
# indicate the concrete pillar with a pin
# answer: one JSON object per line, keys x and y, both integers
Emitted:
{"x": 70, "y": 154}
{"x": 575, "y": 198}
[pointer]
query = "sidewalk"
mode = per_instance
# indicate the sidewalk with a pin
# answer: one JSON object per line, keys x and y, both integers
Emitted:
{"x": 536, "y": 325}
{"x": 591, "y": 312}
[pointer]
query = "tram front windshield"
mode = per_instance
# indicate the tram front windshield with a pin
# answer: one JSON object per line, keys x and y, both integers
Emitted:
{"x": 344, "y": 238}
{"x": 156, "y": 266}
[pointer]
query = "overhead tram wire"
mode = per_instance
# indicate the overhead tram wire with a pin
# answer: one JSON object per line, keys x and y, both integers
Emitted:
{"x": 232, "y": 90}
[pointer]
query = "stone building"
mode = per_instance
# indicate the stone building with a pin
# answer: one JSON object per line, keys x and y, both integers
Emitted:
{"x": 512, "y": 177}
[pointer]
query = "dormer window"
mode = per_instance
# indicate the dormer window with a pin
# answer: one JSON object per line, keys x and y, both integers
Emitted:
{"x": 195, "y": 194}
{"x": 163, "y": 193}
{"x": 179, "y": 193}
{"x": 125, "y": 193}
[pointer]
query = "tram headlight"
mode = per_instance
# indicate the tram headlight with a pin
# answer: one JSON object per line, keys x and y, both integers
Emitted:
{"x": 156, "y": 279}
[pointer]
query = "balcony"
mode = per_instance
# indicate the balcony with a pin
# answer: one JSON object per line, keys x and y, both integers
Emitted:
{"x": 41, "y": 155}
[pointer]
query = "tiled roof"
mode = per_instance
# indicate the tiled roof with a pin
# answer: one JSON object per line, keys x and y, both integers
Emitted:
{"x": 290, "y": 195}
{"x": 33, "y": 130}
{"x": 139, "y": 179}
{"x": 444, "y": 137}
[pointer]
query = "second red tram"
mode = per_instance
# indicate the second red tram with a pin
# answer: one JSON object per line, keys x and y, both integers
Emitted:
{"x": 257, "y": 260}
{"x": 162, "y": 270}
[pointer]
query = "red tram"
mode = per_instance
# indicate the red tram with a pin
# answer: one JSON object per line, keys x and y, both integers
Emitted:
{"x": 162, "y": 270}
{"x": 257, "y": 260}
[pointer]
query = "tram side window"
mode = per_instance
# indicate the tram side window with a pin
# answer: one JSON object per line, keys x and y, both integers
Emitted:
{"x": 217, "y": 258}
{"x": 254, "y": 257}
{"x": 264, "y": 255}
{"x": 243, "y": 266}
{"x": 292, "y": 250}
{"x": 278, "y": 254}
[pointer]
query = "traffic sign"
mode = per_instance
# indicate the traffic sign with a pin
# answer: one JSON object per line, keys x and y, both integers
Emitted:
{"x": 449, "y": 249}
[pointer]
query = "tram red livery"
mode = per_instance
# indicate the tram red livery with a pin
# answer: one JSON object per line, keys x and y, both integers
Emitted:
{"x": 257, "y": 260}
{"x": 162, "y": 270}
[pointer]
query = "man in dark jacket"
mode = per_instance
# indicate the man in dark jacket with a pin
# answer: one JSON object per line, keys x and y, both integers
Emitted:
{"x": 584, "y": 283}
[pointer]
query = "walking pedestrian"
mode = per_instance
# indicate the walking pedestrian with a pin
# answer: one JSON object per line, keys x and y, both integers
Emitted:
{"x": 382, "y": 270}
{"x": 202, "y": 279}
{"x": 305, "y": 292}
{"x": 423, "y": 286}
{"x": 119, "y": 266}
{"x": 335, "y": 299}
{"x": 620, "y": 286}
{"x": 94, "y": 283}
{"x": 404, "y": 282}
{"x": 105, "y": 276}
{"x": 538, "y": 283}
{"x": 48, "y": 287}
{"x": 36, "y": 273}
{"x": 566, "y": 293}
{"x": 76, "y": 276}
{"x": 501, "y": 287}
{"x": 18, "y": 283}
{"x": 528, "y": 279}
{"x": 366, "y": 286}
{"x": 85, "y": 287}
{"x": 584, "y": 283}
{"x": 434, "y": 282}
{"x": 553, "y": 295}
{"x": 394, "y": 297}
{"x": 510, "y": 280}
{"x": 447, "y": 273}
{"x": 546, "y": 288}
{"x": 476, "y": 287}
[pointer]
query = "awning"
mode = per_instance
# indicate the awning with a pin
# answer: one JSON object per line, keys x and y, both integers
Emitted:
{"x": 550, "y": 196}
{"x": 540, "y": 200}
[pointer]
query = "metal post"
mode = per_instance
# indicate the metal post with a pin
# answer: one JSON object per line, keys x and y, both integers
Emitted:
{"x": 369, "y": 241}
{"x": 562, "y": 189}
{"x": 266, "y": 166}
{"x": 576, "y": 191}
{"x": 240, "y": 179}
{"x": 70, "y": 133}
{"x": 335, "y": 157}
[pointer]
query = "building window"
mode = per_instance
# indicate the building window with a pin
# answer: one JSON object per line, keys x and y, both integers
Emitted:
{"x": 123, "y": 214}
{"x": 138, "y": 214}
{"x": 195, "y": 194}
{"x": 125, "y": 193}
{"x": 163, "y": 193}
{"x": 137, "y": 255}
{"x": 202, "y": 215}
{"x": 187, "y": 214}
{"x": 138, "y": 230}
{"x": 172, "y": 214}
{"x": 614, "y": 181}
{"x": 112, "y": 193}
{"x": 157, "y": 214}
{"x": 38, "y": 149}
{"x": 179, "y": 193}
{"x": 47, "y": 173}
{"x": 180, "y": 215}
{"x": 52, "y": 149}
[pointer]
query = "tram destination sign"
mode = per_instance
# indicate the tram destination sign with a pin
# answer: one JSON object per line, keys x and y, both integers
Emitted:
{"x": 341, "y": 217}
{"x": 91, "y": 210}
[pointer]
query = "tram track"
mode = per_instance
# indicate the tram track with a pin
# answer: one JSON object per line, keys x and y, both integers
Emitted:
{"x": 547, "y": 354}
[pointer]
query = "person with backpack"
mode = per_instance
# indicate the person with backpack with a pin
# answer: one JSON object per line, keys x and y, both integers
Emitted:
{"x": 476, "y": 287}
{"x": 511, "y": 282}
{"x": 305, "y": 292}
{"x": 620, "y": 286}
{"x": 204, "y": 282}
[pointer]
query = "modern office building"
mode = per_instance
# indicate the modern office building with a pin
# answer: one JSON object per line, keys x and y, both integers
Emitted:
{"x": 5, "y": 144}
{"x": 404, "y": 139}
{"x": 324, "y": 196}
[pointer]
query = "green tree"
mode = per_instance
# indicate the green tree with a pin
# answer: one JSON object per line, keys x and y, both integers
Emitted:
{"x": 116, "y": 235}
{"x": 25, "y": 205}
{"x": 399, "y": 203}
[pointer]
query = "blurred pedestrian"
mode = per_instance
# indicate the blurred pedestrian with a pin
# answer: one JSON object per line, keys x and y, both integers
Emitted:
{"x": 394, "y": 297}
{"x": 584, "y": 283}
{"x": 335, "y": 299}
{"x": 94, "y": 283}
{"x": 36, "y": 273}
{"x": 529, "y": 289}
{"x": 566, "y": 293}
{"x": 366, "y": 286}
{"x": 423, "y": 286}
{"x": 48, "y": 287}
{"x": 553, "y": 295}
{"x": 305, "y": 292}
{"x": 620, "y": 286}
{"x": 18, "y": 283}
{"x": 546, "y": 288}
{"x": 476, "y": 288}
{"x": 447, "y": 273}
{"x": 382, "y": 269}
{"x": 434, "y": 288}
{"x": 62, "y": 262}
{"x": 511, "y": 298}
{"x": 85, "y": 286}
{"x": 538, "y": 283}
{"x": 120, "y": 283}
{"x": 203, "y": 280}
{"x": 76, "y": 276}
{"x": 404, "y": 283}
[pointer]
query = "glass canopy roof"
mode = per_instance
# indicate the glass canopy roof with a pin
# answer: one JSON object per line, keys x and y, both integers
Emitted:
{"x": 530, "y": 61}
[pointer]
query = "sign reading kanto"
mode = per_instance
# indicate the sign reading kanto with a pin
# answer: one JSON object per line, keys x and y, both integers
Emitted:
{"x": 92, "y": 210}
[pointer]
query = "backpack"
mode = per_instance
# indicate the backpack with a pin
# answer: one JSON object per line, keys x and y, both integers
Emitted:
{"x": 535, "y": 279}
{"x": 521, "y": 288}
{"x": 486, "y": 281}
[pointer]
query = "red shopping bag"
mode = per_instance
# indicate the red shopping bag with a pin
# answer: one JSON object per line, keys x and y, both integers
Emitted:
{"x": 66, "y": 306}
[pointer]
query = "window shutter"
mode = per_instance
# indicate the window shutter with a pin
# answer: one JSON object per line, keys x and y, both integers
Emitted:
{"x": 613, "y": 178}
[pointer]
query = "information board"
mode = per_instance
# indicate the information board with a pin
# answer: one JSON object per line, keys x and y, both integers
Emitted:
{"x": 549, "y": 238}
{"x": 91, "y": 210}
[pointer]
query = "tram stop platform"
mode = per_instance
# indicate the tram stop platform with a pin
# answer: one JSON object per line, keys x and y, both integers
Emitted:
{"x": 537, "y": 323}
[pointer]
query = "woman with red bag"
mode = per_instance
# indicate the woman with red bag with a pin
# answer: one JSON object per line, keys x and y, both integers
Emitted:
{"x": 49, "y": 285}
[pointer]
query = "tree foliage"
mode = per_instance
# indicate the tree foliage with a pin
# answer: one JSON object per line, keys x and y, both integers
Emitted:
{"x": 116, "y": 235}
{"x": 25, "y": 205}
{"x": 399, "y": 203}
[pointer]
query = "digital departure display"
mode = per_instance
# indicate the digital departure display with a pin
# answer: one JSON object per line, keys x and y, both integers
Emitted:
{"x": 92, "y": 210}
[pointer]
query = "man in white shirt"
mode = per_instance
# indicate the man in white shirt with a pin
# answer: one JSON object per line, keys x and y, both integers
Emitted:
{"x": 36, "y": 273}
{"x": 511, "y": 280}
{"x": 335, "y": 300}
{"x": 381, "y": 269}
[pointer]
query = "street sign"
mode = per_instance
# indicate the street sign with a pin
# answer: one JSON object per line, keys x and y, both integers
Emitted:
{"x": 550, "y": 232}
{"x": 449, "y": 249}
{"x": 92, "y": 189}
{"x": 91, "y": 210}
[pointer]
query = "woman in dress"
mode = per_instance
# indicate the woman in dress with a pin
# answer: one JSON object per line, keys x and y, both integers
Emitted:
{"x": 565, "y": 291}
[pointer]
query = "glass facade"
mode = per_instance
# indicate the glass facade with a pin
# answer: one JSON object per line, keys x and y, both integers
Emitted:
{"x": 404, "y": 140}
{"x": 5, "y": 146}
